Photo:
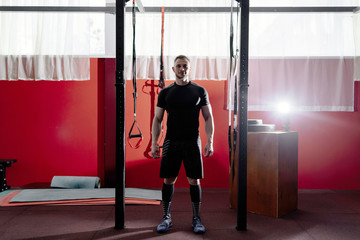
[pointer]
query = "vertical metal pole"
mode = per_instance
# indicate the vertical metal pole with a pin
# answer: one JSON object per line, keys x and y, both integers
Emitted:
{"x": 120, "y": 116}
{"x": 242, "y": 119}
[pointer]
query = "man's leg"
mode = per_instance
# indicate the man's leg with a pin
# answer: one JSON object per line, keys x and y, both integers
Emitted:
{"x": 195, "y": 193}
{"x": 167, "y": 194}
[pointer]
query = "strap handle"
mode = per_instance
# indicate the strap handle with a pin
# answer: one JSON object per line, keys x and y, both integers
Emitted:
{"x": 135, "y": 135}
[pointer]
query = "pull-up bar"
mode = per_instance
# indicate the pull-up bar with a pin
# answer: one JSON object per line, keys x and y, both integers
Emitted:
{"x": 140, "y": 8}
{"x": 251, "y": 9}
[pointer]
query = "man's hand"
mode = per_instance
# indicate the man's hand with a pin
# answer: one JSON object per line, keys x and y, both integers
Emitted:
{"x": 155, "y": 151}
{"x": 208, "y": 150}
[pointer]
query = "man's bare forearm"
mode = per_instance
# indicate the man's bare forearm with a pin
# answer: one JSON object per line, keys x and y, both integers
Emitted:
{"x": 156, "y": 127}
{"x": 209, "y": 129}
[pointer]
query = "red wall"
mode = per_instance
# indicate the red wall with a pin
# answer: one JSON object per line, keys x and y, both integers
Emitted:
{"x": 50, "y": 127}
{"x": 57, "y": 128}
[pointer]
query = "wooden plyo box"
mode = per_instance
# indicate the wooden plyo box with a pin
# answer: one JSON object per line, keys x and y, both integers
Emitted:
{"x": 272, "y": 174}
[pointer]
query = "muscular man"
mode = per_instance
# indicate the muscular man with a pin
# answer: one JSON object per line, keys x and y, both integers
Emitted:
{"x": 182, "y": 101}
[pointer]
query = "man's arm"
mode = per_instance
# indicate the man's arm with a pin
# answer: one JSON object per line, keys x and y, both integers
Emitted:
{"x": 209, "y": 129}
{"x": 156, "y": 129}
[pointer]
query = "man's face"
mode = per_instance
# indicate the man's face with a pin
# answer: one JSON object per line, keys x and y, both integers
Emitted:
{"x": 181, "y": 68}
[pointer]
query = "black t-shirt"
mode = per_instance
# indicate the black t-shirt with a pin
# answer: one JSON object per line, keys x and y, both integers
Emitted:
{"x": 183, "y": 104}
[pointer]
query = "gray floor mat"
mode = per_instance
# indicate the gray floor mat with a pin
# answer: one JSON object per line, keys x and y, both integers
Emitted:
{"x": 38, "y": 195}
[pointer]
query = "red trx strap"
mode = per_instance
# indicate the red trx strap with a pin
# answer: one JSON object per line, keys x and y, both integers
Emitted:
{"x": 162, "y": 79}
{"x": 131, "y": 134}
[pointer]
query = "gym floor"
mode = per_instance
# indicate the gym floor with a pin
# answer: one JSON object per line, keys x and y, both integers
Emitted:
{"x": 321, "y": 214}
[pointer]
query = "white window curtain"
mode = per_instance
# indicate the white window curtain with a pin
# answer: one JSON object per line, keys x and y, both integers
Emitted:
{"x": 48, "y": 45}
{"x": 356, "y": 24}
{"x": 307, "y": 84}
{"x": 205, "y": 43}
{"x": 306, "y": 59}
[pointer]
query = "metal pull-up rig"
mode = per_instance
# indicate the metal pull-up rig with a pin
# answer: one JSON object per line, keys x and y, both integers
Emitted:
{"x": 120, "y": 114}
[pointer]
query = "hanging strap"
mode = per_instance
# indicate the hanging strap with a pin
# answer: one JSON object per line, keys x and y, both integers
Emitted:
{"x": 233, "y": 85}
{"x": 230, "y": 74}
{"x": 234, "y": 70}
{"x": 161, "y": 80}
{"x": 132, "y": 129}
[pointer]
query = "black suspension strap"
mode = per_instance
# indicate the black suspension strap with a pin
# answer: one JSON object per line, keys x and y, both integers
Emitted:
{"x": 161, "y": 79}
{"x": 133, "y": 133}
{"x": 233, "y": 125}
{"x": 234, "y": 72}
{"x": 232, "y": 136}
{"x": 230, "y": 75}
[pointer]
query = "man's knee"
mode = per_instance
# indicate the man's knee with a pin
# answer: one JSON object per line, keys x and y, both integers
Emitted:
{"x": 193, "y": 181}
{"x": 169, "y": 181}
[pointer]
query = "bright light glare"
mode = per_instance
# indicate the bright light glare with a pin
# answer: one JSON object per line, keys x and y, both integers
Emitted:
{"x": 284, "y": 107}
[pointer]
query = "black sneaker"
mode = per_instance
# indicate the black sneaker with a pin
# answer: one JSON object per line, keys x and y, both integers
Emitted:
{"x": 197, "y": 225}
{"x": 165, "y": 224}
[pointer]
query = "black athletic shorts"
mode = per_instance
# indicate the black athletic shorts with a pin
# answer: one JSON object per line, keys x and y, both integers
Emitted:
{"x": 177, "y": 151}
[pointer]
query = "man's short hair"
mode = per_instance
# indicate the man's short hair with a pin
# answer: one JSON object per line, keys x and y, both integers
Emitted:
{"x": 182, "y": 57}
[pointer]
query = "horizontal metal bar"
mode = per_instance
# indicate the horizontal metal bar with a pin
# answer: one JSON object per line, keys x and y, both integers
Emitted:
{"x": 56, "y": 9}
{"x": 185, "y": 9}
{"x": 302, "y": 9}
{"x": 111, "y": 9}
{"x": 252, "y": 9}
